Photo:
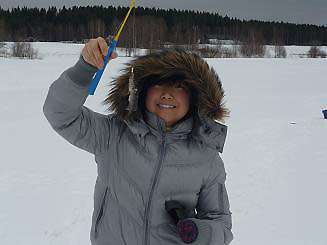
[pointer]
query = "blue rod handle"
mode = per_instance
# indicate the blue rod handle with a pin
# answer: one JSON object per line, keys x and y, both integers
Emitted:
{"x": 97, "y": 77}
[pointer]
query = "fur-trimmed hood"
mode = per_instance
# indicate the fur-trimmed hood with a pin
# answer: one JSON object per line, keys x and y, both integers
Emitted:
{"x": 193, "y": 70}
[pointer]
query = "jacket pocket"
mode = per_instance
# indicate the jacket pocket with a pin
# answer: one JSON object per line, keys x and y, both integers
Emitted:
{"x": 101, "y": 212}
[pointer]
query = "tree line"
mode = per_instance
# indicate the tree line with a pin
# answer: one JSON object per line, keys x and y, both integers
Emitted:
{"x": 149, "y": 27}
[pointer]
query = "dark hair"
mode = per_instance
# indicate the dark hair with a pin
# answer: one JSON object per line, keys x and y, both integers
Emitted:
{"x": 175, "y": 80}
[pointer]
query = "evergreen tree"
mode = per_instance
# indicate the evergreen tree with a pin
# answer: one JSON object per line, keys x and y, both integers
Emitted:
{"x": 154, "y": 26}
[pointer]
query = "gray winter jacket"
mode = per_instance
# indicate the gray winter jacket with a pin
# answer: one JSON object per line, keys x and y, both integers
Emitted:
{"x": 140, "y": 166}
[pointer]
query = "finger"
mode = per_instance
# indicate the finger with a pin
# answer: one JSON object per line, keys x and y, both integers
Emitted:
{"x": 85, "y": 55}
{"x": 91, "y": 56}
{"x": 98, "y": 56}
{"x": 103, "y": 46}
{"x": 114, "y": 55}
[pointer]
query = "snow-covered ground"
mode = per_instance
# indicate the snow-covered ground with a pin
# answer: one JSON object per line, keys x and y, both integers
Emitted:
{"x": 275, "y": 153}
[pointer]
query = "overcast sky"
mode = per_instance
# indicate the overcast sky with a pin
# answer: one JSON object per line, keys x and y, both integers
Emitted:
{"x": 295, "y": 11}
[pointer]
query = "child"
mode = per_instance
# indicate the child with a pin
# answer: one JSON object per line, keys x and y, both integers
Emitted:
{"x": 160, "y": 146}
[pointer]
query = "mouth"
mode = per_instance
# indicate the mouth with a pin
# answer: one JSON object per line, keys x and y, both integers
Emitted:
{"x": 166, "y": 106}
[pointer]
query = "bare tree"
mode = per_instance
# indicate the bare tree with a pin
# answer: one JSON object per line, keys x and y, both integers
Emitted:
{"x": 280, "y": 51}
{"x": 230, "y": 53}
{"x": 24, "y": 50}
{"x": 234, "y": 49}
{"x": 150, "y": 32}
{"x": 216, "y": 51}
{"x": 3, "y": 49}
{"x": 162, "y": 31}
{"x": 315, "y": 52}
{"x": 323, "y": 54}
{"x": 176, "y": 34}
{"x": 254, "y": 45}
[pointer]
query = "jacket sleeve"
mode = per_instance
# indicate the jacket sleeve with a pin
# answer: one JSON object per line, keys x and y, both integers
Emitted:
{"x": 63, "y": 108}
{"x": 213, "y": 206}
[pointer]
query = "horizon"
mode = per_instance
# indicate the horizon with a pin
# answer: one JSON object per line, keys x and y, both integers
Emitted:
{"x": 286, "y": 11}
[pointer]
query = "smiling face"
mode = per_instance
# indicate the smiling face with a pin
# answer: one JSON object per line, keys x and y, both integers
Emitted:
{"x": 171, "y": 103}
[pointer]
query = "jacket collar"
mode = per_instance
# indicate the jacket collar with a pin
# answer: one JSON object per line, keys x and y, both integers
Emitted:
{"x": 210, "y": 132}
{"x": 156, "y": 125}
{"x": 206, "y": 131}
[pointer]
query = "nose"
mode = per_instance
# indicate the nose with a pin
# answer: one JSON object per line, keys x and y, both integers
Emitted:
{"x": 166, "y": 95}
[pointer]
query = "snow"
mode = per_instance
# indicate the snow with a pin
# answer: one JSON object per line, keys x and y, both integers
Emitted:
{"x": 275, "y": 153}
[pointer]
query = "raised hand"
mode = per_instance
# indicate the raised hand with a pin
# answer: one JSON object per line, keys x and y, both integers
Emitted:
{"x": 95, "y": 50}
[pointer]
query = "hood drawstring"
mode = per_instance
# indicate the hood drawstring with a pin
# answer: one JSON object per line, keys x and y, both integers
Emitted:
{"x": 133, "y": 95}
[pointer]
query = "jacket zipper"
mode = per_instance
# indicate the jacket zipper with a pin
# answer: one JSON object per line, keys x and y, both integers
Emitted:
{"x": 100, "y": 213}
{"x": 162, "y": 151}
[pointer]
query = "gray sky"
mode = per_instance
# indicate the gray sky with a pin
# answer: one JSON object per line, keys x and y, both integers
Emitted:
{"x": 295, "y": 11}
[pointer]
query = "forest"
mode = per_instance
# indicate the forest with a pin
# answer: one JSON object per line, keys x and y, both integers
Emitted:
{"x": 149, "y": 27}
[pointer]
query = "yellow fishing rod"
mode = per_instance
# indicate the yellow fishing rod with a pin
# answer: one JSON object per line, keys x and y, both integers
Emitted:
{"x": 97, "y": 77}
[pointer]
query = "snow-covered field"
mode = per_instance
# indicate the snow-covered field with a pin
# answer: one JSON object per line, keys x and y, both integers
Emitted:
{"x": 275, "y": 153}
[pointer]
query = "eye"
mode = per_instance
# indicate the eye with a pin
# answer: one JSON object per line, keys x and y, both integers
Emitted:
{"x": 178, "y": 85}
{"x": 155, "y": 87}
{"x": 180, "y": 89}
